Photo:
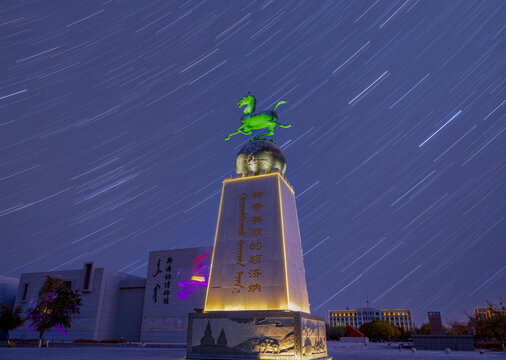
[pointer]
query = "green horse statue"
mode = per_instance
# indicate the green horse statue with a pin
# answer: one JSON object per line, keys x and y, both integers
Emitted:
{"x": 251, "y": 121}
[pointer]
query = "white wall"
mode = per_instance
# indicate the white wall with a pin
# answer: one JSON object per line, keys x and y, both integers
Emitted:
{"x": 168, "y": 322}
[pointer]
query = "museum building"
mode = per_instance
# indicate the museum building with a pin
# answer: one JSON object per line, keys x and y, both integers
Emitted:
{"x": 118, "y": 306}
{"x": 402, "y": 318}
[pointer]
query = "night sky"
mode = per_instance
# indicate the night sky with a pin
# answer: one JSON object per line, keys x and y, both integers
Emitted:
{"x": 113, "y": 117}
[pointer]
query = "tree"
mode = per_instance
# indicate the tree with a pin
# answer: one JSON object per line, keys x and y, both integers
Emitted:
{"x": 497, "y": 321}
{"x": 459, "y": 328}
{"x": 382, "y": 330}
{"x": 364, "y": 328}
{"x": 335, "y": 332}
{"x": 424, "y": 329}
{"x": 403, "y": 334}
{"x": 490, "y": 326}
{"x": 55, "y": 306}
{"x": 10, "y": 318}
{"x": 482, "y": 328}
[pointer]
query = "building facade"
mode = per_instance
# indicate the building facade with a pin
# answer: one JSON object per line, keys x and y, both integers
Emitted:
{"x": 484, "y": 312}
{"x": 121, "y": 306}
{"x": 402, "y": 318}
{"x": 176, "y": 285}
{"x": 111, "y": 303}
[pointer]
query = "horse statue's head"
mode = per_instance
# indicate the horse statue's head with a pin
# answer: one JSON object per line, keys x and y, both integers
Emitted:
{"x": 248, "y": 101}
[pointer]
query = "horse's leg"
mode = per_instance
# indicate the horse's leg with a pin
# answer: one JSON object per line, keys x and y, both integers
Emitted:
{"x": 231, "y": 134}
{"x": 241, "y": 130}
{"x": 275, "y": 120}
{"x": 284, "y": 126}
{"x": 271, "y": 130}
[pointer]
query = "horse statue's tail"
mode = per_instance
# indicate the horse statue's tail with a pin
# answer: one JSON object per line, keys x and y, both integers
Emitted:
{"x": 279, "y": 103}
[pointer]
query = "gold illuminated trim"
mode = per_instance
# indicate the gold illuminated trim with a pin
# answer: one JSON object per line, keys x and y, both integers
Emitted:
{"x": 214, "y": 246}
{"x": 306, "y": 306}
{"x": 198, "y": 278}
{"x": 284, "y": 244}
{"x": 261, "y": 176}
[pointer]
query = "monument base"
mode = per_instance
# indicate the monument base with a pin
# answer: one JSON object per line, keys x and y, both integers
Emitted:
{"x": 269, "y": 334}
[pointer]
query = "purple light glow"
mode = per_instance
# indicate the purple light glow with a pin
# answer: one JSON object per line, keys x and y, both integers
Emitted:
{"x": 200, "y": 270}
{"x": 61, "y": 329}
{"x": 189, "y": 287}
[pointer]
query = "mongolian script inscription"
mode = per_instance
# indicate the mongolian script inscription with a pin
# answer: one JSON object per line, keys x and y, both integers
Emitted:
{"x": 166, "y": 283}
{"x": 242, "y": 214}
{"x": 253, "y": 273}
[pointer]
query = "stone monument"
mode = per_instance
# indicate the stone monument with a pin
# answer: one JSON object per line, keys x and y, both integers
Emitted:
{"x": 256, "y": 303}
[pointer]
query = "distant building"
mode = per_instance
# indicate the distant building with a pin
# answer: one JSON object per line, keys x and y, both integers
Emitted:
{"x": 435, "y": 323}
{"x": 402, "y": 318}
{"x": 8, "y": 289}
{"x": 117, "y": 305}
{"x": 484, "y": 313}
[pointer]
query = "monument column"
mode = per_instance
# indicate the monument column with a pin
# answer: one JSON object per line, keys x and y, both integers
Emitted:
{"x": 257, "y": 258}
{"x": 256, "y": 301}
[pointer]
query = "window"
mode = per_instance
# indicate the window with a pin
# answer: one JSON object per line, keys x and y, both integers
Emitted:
{"x": 87, "y": 276}
{"x": 25, "y": 291}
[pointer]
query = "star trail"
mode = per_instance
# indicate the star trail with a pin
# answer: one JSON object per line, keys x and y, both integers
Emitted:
{"x": 113, "y": 116}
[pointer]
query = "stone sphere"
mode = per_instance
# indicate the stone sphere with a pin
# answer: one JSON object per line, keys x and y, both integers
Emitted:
{"x": 260, "y": 155}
